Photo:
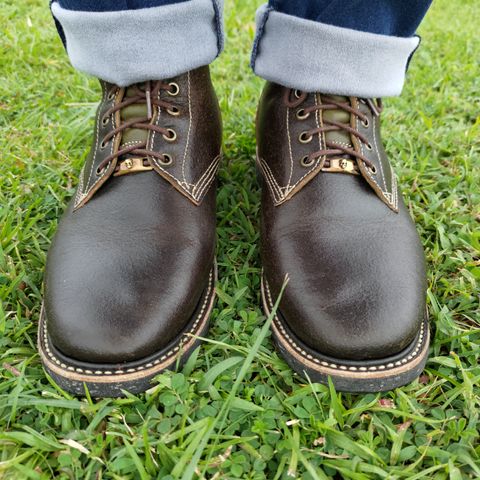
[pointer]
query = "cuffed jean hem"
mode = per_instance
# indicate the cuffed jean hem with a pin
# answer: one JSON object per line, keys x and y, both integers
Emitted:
{"x": 316, "y": 57}
{"x": 130, "y": 46}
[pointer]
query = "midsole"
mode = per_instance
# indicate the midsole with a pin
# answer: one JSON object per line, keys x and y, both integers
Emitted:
{"x": 133, "y": 371}
{"x": 366, "y": 370}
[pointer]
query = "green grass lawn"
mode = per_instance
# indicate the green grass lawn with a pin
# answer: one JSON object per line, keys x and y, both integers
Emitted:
{"x": 236, "y": 410}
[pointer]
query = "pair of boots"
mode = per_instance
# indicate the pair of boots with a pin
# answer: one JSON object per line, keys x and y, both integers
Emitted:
{"x": 130, "y": 278}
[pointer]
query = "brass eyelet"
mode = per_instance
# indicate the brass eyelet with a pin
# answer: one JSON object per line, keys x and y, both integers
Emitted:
{"x": 305, "y": 137}
{"x": 373, "y": 169}
{"x": 167, "y": 160}
{"x": 366, "y": 123}
{"x": 175, "y": 89}
{"x": 297, "y": 93}
{"x": 105, "y": 121}
{"x": 174, "y": 111}
{"x": 307, "y": 161}
{"x": 302, "y": 115}
{"x": 368, "y": 146}
{"x": 172, "y": 135}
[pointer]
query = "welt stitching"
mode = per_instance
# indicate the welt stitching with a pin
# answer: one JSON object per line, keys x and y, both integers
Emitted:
{"x": 170, "y": 353}
{"x": 386, "y": 366}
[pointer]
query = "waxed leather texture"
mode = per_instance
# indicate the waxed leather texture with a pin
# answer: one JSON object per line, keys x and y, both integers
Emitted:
{"x": 127, "y": 268}
{"x": 196, "y": 161}
{"x": 354, "y": 261}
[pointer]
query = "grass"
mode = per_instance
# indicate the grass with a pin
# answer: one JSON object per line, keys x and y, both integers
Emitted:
{"x": 236, "y": 410}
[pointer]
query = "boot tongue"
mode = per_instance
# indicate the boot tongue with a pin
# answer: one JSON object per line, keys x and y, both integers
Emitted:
{"x": 340, "y": 116}
{"x": 133, "y": 135}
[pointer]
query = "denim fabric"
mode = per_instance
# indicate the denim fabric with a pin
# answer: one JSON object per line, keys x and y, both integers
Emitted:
{"x": 399, "y": 18}
{"x": 113, "y": 5}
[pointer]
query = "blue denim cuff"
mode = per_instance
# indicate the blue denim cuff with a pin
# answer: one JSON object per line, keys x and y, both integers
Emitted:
{"x": 130, "y": 46}
{"x": 316, "y": 57}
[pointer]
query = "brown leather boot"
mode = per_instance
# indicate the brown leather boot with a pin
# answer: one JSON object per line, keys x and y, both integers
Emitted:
{"x": 129, "y": 283}
{"x": 334, "y": 222}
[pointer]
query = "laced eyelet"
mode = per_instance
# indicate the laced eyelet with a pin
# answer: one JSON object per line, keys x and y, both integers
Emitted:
{"x": 105, "y": 121}
{"x": 366, "y": 123}
{"x": 302, "y": 115}
{"x": 103, "y": 145}
{"x": 174, "y": 89}
{"x": 373, "y": 169}
{"x": 297, "y": 93}
{"x": 368, "y": 146}
{"x": 172, "y": 135}
{"x": 174, "y": 111}
{"x": 305, "y": 137}
{"x": 167, "y": 160}
{"x": 307, "y": 161}
{"x": 111, "y": 96}
{"x": 100, "y": 172}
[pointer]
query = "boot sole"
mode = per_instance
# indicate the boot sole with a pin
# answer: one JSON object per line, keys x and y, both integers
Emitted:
{"x": 112, "y": 380}
{"x": 348, "y": 376}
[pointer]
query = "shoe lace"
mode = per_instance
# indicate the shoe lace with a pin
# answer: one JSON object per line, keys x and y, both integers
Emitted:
{"x": 147, "y": 93}
{"x": 294, "y": 98}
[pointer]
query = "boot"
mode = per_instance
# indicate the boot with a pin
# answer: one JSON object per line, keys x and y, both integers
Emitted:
{"x": 129, "y": 282}
{"x": 334, "y": 223}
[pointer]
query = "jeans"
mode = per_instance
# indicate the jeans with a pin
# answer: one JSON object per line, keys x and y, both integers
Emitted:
{"x": 349, "y": 47}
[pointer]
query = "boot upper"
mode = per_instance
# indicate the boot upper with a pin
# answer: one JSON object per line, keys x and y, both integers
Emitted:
{"x": 135, "y": 247}
{"x": 334, "y": 222}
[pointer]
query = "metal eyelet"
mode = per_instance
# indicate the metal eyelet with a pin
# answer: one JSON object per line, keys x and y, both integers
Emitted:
{"x": 111, "y": 96}
{"x": 368, "y": 146}
{"x": 366, "y": 123}
{"x": 297, "y": 93}
{"x": 172, "y": 135}
{"x": 105, "y": 121}
{"x": 302, "y": 115}
{"x": 305, "y": 137}
{"x": 100, "y": 172}
{"x": 103, "y": 145}
{"x": 175, "y": 89}
{"x": 307, "y": 161}
{"x": 373, "y": 169}
{"x": 174, "y": 111}
{"x": 167, "y": 160}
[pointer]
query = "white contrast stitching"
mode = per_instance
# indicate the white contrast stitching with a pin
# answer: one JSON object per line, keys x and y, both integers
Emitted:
{"x": 189, "y": 128}
{"x": 387, "y": 366}
{"x": 170, "y": 353}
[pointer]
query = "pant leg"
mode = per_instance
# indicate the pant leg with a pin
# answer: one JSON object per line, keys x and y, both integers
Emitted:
{"x": 130, "y": 41}
{"x": 349, "y": 47}
{"x": 398, "y": 18}
{"x": 113, "y": 5}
